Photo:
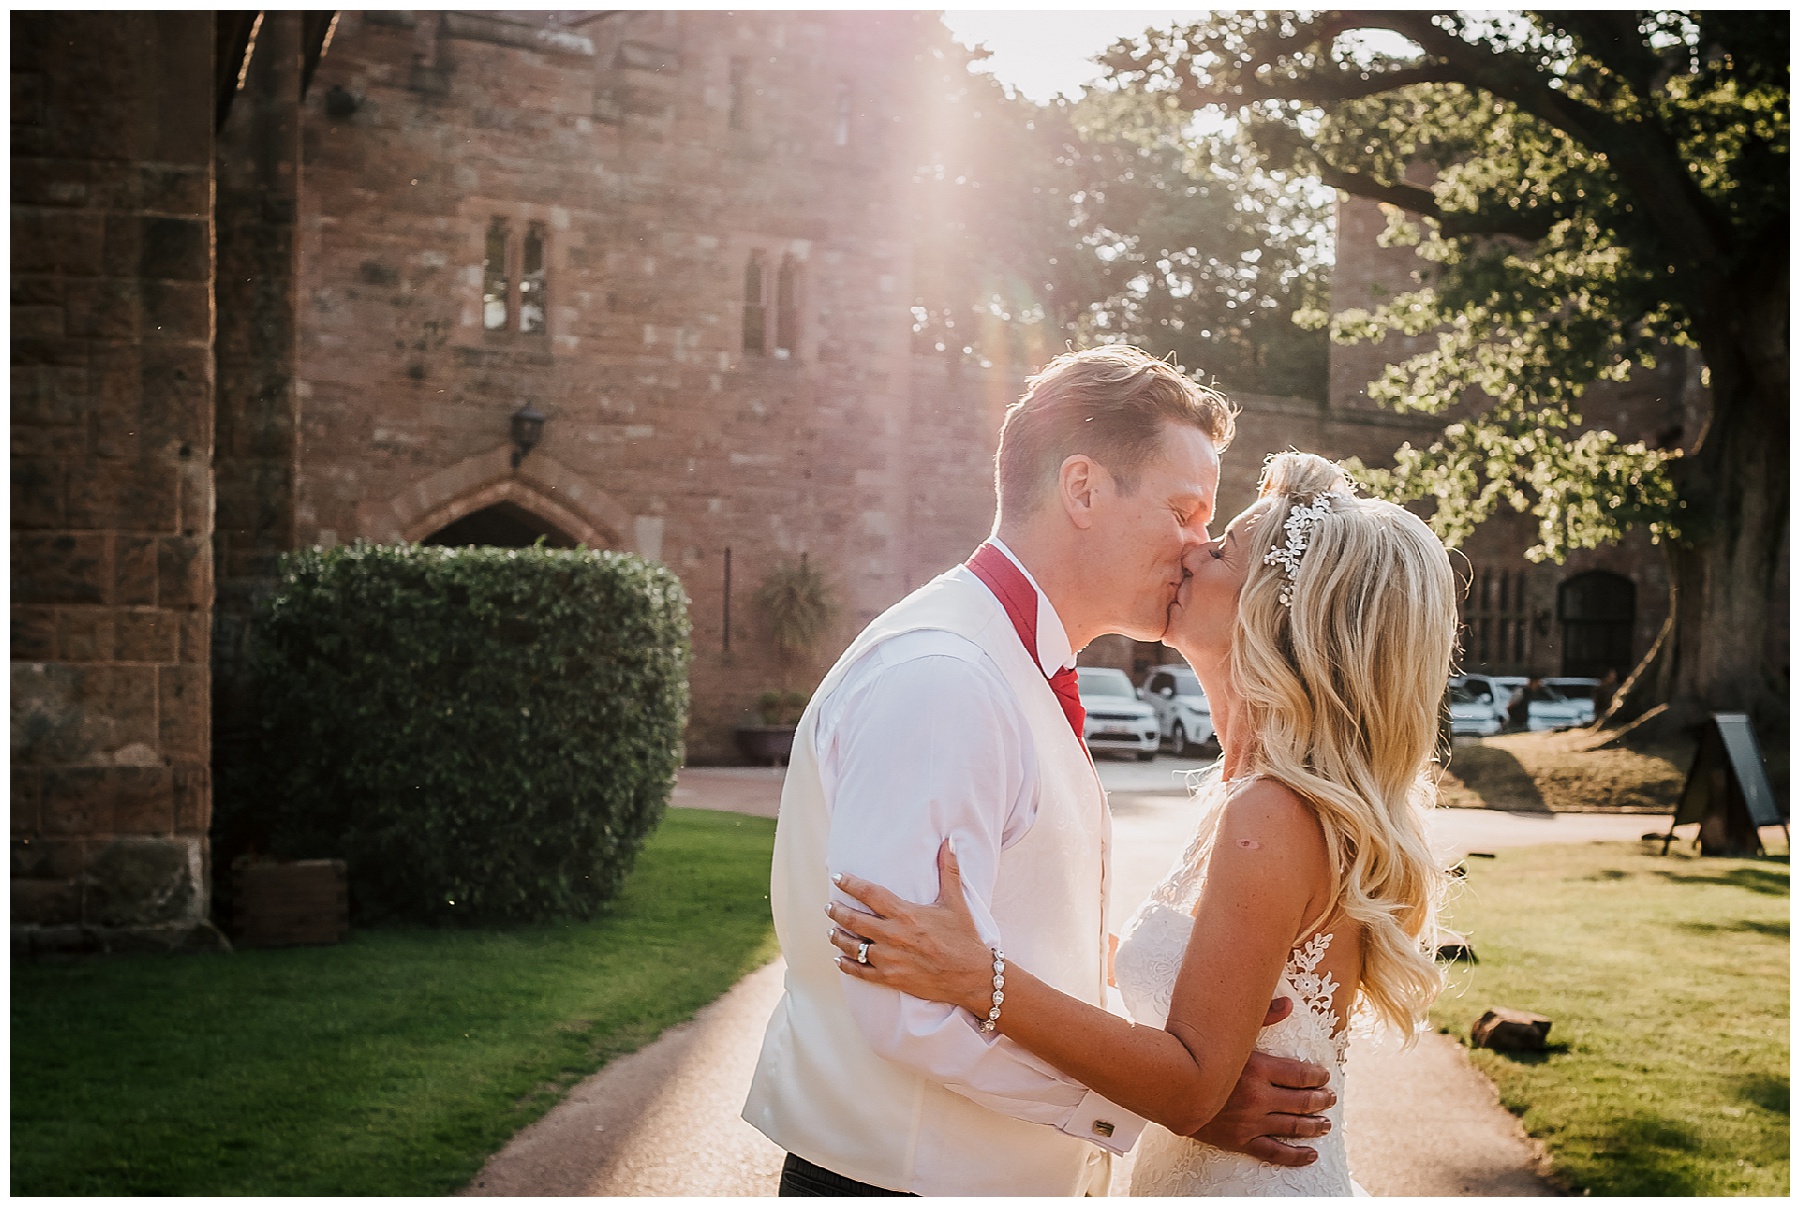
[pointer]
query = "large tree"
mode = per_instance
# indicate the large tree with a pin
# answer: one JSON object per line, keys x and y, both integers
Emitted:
{"x": 1101, "y": 220}
{"x": 1596, "y": 189}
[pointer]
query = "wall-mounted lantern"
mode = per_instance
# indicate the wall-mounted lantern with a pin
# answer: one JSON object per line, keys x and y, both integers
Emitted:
{"x": 341, "y": 103}
{"x": 527, "y": 426}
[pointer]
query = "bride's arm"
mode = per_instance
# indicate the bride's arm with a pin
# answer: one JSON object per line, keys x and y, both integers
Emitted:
{"x": 1267, "y": 875}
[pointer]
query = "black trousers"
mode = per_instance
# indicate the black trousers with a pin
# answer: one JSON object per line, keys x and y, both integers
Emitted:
{"x": 801, "y": 1177}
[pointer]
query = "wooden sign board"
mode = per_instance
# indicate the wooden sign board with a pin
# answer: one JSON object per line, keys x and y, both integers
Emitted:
{"x": 1727, "y": 790}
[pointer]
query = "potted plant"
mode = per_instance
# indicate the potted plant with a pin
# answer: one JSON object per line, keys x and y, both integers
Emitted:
{"x": 797, "y": 607}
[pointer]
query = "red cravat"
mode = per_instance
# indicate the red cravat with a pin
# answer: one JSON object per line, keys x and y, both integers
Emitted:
{"x": 1019, "y": 598}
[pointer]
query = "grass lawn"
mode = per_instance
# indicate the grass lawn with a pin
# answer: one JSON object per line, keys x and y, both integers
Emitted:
{"x": 394, "y": 1063}
{"x": 1667, "y": 979}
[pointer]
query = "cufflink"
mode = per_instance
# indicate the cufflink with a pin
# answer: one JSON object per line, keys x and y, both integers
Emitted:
{"x": 1102, "y": 1128}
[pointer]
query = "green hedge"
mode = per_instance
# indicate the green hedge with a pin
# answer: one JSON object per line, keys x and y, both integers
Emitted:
{"x": 484, "y": 735}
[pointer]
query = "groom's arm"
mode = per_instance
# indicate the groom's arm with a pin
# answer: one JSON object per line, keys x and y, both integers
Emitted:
{"x": 925, "y": 745}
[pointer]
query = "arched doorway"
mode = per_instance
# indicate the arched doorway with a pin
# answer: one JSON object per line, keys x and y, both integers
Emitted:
{"x": 1598, "y": 611}
{"x": 504, "y": 524}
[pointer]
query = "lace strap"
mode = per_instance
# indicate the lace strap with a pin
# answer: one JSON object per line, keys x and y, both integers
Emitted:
{"x": 1318, "y": 994}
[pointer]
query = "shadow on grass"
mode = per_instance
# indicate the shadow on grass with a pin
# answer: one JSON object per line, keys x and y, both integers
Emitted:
{"x": 1756, "y": 880}
{"x": 1773, "y": 930}
{"x": 1543, "y": 1055}
{"x": 1651, "y": 1155}
{"x": 1498, "y": 778}
{"x": 1767, "y": 1090}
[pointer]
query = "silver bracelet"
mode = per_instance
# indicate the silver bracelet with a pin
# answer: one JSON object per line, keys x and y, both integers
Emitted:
{"x": 993, "y": 1018}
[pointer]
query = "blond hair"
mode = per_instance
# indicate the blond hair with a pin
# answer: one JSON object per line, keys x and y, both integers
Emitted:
{"x": 1341, "y": 691}
{"x": 1109, "y": 402}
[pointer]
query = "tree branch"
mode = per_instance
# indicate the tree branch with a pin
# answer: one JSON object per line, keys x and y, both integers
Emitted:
{"x": 1343, "y": 86}
{"x": 1646, "y": 160}
{"x": 1530, "y": 225}
{"x": 1696, "y": 233}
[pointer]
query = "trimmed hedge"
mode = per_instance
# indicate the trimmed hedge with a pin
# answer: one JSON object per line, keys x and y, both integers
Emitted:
{"x": 484, "y": 735}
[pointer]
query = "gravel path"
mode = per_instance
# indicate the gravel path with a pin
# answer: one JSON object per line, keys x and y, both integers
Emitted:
{"x": 664, "y": 1121}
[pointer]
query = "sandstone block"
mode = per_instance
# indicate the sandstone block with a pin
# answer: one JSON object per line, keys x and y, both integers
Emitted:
{"x": 1506, "y": 1030}
{"x": 140, "y": 493}
{"x": 137, "y": 882}
{"x": 184, "y": 713}
{"x": 38, "y": 491}
{"x": 134, "y": 571}
{"x": 173, "y": 190}
{"x": 174, "y": 249}
{"x": 184, "y": 571}
{"x": 58, "y": 569}
{"x": 33, "y": 634}
{"x": 192, "y": 783}
{"x": 176, "y": 310}
{"x": 24, "y": 802}
{"x": 86, "y": 634}
{"x": 45, "y": 902}
{"x": 102, "y": 308}
{"x": 62, "y": 242}
{"x": 143, "y": 800}
{"x": 147, "y": 636}
{"x": 77, "y": 802}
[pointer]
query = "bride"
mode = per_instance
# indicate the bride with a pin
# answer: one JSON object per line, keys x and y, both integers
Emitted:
{"x": 1321, "y": 626}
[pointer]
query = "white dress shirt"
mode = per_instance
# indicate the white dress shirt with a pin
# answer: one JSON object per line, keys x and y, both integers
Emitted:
{"x": 924, "y": 740}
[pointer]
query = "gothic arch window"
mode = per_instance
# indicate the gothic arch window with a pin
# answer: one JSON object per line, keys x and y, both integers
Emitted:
{"x": 504, "y": 525}
{"x": 787, "y": 309}
{"x": 755, "y": 312}
{"x": 531, "y": 282}
{"x": 1598, "y": 611}
{"x": 495, "y": 283}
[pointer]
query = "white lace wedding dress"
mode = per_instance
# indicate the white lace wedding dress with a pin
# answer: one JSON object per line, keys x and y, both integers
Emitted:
{"x": 1149, "y": 957}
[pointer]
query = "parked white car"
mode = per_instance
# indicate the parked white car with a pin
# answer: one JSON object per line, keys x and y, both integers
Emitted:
{"x": 1471, "y": 715}
{"x": 1117, "y": 720}
{"x": 1579, "y": 692}
{"x": 1549, "y": 711}
{"x": 1183, "y": 716}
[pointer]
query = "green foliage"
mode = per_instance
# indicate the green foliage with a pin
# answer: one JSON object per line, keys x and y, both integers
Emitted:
{"x": 1599, "y": 190}
{"x": 797, "y": 605}
{"x": 782, "y": 708}
{"x": 1109, "y": 220}
{"x": 391, "y": 1064}
{"x": 1667, "y": 981}
{"x": 485, "y": 735}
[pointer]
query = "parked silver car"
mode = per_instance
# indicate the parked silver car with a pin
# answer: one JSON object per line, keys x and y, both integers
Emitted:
{"x": 1548, "y": 711}
{"x": 1471, "y": 715}
{"x": 1116, "y": 719}
{"x": 1183, "y": 716}
{"x": 1579, "y": 692}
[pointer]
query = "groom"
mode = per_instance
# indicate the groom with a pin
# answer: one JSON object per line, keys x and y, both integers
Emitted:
{"x": 955, "y": 715}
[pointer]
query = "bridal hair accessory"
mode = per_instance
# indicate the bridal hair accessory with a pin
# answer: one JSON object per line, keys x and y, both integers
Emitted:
{"x": 1301, "y": 519}
{"x": 987, "y": 1024}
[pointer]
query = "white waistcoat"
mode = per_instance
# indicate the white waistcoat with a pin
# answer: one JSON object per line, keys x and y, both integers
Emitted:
{"x": 820, "y": 1092}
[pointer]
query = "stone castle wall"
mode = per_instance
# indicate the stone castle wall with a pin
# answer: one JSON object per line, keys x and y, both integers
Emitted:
{"x": 653, "y": 154}
{"x": 112, "y": 495}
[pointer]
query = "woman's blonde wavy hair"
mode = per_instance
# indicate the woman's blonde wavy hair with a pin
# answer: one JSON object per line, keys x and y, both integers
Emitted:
{"x": 1341, "y": 692}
